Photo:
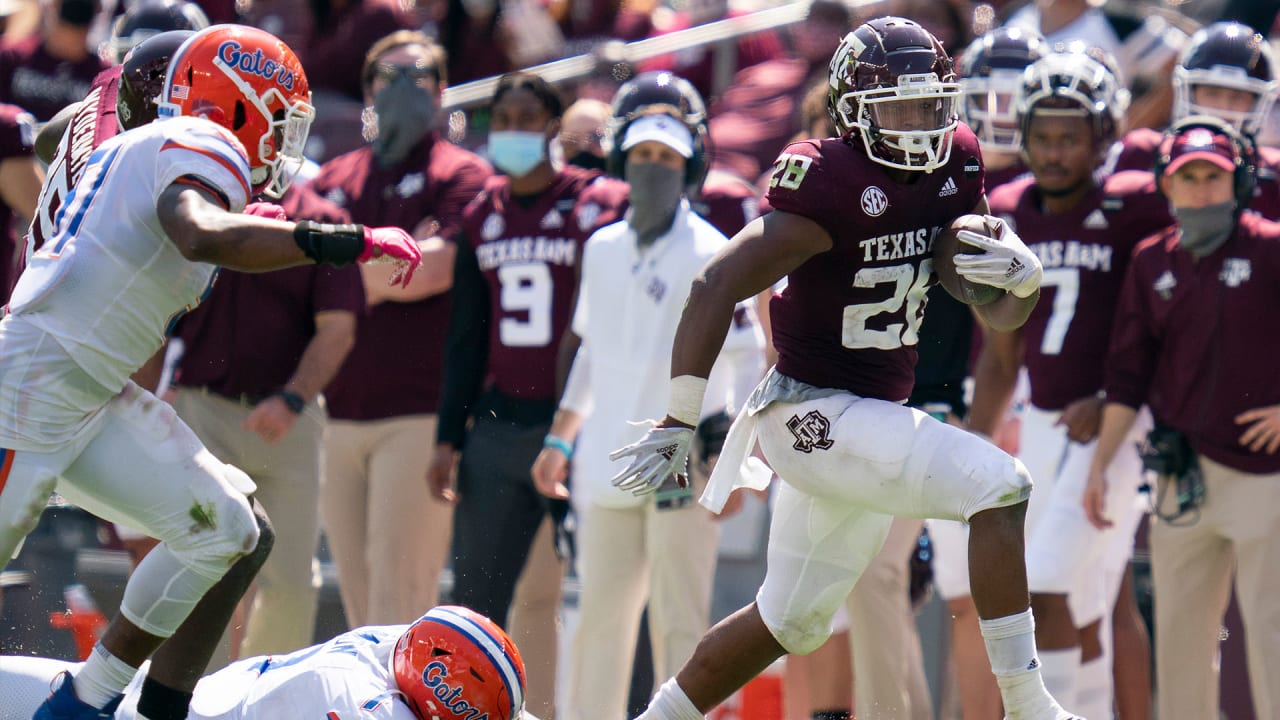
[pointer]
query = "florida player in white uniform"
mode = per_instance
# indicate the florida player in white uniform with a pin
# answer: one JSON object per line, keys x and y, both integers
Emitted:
{"x": 138, "y": 240}
{"x": 852, "y": 227}
{"x": 451, "y": 664}
{"x": 1083, "y": 232}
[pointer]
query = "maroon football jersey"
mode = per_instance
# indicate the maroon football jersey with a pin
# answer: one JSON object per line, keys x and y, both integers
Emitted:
{"x": 1084, "y": 253}
{"x": 17, "y": 140}
{"x": 1266, "y": 196}
{"x": 40, "y": 83}
{"x": 1197, "y": 339}
{"x": 394, "y": 368}
{"x": 849, "y": 317}
{"x": 996, "y": 178}
{"x": 93, "y": 123}
{"x": 728, "y": 202}
{"x": 528, "y": 253}
{"x": 1135, "y": 151}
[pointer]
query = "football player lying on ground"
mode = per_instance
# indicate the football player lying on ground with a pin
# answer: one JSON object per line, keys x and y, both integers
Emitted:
{"x": 452, "y": 662}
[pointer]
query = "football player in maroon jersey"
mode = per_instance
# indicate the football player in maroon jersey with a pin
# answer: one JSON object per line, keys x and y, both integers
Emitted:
{"x": 990, "y": 74}
{"x": 1227, "y": 71}
{"x": 1083, "y": 233}
{"x": 852, "y": 227}
{"x": 514, "y": 281}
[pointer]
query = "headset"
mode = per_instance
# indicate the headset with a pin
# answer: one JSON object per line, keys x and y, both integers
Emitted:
{"x": 661, "y": 93}
{"x": 1245, "y": 176}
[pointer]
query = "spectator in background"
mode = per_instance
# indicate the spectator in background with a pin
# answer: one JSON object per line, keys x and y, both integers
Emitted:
{"x": 20, "y": 179}
{"x": 661, "y": 550}
{"x": 1067, "y": 20}
{"x": 388, "y": 536}
{"x": 698, "y": 64}
{"x": 1194, "y": 339}
{"x": 474, "y": 39}
{"x": 53, "y": 67}
{"x": 760, "y": 112}
{"x": 258, "y": 353}
{"x": 514, "y": 283}
{"x": 343, "y": 33}
{"x": 582, "y": 131}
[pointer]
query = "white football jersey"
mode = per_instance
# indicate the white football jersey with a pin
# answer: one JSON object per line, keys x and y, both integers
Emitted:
{"x": 109, "y": 283}
{"x": 347, "y": 678}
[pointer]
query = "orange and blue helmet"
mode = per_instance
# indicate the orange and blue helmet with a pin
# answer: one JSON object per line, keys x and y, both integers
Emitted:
{"x": 456, "y": 664}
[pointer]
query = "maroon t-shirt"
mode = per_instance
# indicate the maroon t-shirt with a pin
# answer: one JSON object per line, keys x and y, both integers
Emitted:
{"x": 528, "y": 253}
{"x": 248, "y": 335}
{"x": 1084, "y": 253}
{"x": 40, "y": 83}
{"x": 849, "y": 317}
{"x": 1197, "y": 340}
{"x": 334, "y": 57}
{"x": 17, "y": 140}
{"x": 394, "y": 368}
{"x": 727, "y": 202}
{"x": 1135, "y": 151}
{"x": 93, "y": 123}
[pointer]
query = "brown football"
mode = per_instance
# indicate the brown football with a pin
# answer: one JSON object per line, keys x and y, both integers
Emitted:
{"x": 945, "y": 248}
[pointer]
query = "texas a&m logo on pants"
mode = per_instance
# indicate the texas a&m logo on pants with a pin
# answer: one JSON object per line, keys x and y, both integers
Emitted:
{"x": 810, "y": 431}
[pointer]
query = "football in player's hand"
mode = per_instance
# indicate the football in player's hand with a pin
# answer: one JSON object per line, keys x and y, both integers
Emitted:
{"x": 945, "y": 248}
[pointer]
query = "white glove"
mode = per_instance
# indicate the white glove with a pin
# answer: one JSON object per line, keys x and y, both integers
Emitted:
{"x": 1007, "y": 262}
{"x": 662, "y": 452}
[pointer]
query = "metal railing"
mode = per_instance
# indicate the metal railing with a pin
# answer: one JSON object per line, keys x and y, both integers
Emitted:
{"x": 478, "y": 92}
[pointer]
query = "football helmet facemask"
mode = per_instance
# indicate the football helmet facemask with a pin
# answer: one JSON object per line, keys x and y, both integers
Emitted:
{"x": 990, "y": 77}
{"x": 1226, "y": 55}
{"x": 453, "y": 661}
{"x": 893, "y": 84}
{"x": 249, "y": 82}
{"x": 148, "y": 18}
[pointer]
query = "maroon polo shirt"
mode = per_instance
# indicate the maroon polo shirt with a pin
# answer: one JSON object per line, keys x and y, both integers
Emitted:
{"x": 248, "y": 335}
{"x": 334, "y": 57}
{"x": 394, "y": 368}
{"x": 38, "y": 82}
{"x": 1085, "y": 252}
{"x": 1197, "y": 340}
{"x": 17, "y": 139}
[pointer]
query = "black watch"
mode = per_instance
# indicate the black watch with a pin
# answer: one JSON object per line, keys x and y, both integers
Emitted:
{"x": 293, "y": 400}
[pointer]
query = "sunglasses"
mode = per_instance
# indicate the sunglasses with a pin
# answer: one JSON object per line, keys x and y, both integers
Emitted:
{"x": 389, "y": 72}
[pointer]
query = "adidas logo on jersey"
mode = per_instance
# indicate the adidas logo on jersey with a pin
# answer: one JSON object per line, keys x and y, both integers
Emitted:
{"x": 948, "y": 188}
{"x": 1096, "y": 220}
{"x": 553, "y": 220}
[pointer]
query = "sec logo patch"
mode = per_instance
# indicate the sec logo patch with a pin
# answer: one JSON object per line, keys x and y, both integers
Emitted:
{"x": 874, "y": 201}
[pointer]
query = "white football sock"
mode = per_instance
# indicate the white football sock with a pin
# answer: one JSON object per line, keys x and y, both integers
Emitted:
{"x": 1061, "y": 672}
{"x": 102, "y": 677}
{"x": 1011, "y": 647}
{"x": 1094, "y": 691}
{"x": 670, "y": 703}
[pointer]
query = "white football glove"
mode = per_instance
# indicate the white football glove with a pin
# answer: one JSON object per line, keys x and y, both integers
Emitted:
{"x": 1007, "y": 262}
{"x": 662, "y": 452}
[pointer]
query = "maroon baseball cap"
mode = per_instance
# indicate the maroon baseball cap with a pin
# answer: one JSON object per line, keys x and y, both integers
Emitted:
{"x": 1199, "y": 143}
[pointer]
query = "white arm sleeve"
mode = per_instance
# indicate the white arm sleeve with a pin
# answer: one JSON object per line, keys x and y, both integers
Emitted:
{"x": 577, "y": 389}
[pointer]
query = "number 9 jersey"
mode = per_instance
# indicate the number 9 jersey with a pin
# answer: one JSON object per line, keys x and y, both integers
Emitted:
{"x": 849, "y": 317}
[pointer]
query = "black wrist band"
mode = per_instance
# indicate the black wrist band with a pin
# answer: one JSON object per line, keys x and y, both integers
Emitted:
{"x": 293, "y": 400}
{"x": 335, "y": 245}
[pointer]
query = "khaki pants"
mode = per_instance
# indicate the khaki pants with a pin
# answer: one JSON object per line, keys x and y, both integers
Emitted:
{"x": 888, "y": 668}
{"x": 1238, "y": 532}
{"x": 625, "y": 557}
{"x": 534, "y": 620}
{"x": 283, "y": 613}
{"x": 388, "y": 536}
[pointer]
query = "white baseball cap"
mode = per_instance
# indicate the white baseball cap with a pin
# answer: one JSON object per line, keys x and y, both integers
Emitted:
{"x": 661, "y": 128}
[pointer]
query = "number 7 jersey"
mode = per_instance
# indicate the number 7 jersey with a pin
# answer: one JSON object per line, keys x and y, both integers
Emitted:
{"x": 849, "y": 317}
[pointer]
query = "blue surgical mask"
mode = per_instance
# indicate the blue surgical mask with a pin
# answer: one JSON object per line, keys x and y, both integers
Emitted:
{"x": 516, "y": 152}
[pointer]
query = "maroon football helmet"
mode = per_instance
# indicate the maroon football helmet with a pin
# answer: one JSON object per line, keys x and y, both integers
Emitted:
{"x": 1226, "y": 55}
{"x": 990, "y": 77}
{"x": 1076, "y": 79}
{"x": 893, "y": 84}
{"x": 142, "y": 77}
